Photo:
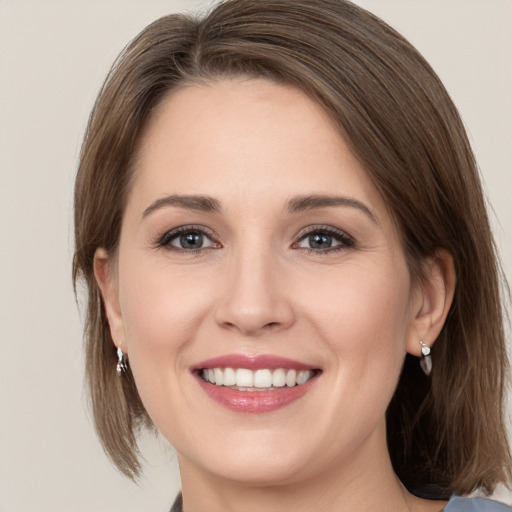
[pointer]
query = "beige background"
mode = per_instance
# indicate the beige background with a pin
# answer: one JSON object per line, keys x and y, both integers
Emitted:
{"x": 53, "y": 57}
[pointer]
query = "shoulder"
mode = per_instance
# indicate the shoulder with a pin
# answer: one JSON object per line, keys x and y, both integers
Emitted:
{"x": 458, "y": 504}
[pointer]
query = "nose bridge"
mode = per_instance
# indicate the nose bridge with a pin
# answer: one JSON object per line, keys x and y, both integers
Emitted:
{"x": 254, "y": 300}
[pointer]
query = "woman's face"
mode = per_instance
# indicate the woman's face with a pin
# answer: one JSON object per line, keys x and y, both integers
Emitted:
{"x": 255, "y": 249}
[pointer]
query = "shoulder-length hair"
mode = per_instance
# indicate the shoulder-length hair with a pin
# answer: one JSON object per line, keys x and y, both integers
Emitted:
{"x": 446, "y": 434}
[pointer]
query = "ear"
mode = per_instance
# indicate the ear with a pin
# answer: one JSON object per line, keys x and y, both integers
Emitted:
{"x": 432, "y": 301}
{"x": 105, "y": 274}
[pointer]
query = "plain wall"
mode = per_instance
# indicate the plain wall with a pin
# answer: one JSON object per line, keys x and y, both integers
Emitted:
{"x": 53, "y": 58}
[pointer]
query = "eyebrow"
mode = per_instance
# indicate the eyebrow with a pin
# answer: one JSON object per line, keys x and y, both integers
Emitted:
{"x": 189, "y": 202}
{"x": 312, "y": 202}
{"x": 297, "y": 204}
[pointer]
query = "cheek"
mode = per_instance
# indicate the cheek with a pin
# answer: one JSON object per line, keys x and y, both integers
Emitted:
{"x": 369, "y": 302}
{"x": 160, "y": 304}
{"x": 364, "y": 317}
{"x": 161, "y": 315}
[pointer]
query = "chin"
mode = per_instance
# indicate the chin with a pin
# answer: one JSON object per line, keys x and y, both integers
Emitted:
{"x": 255, "y": 472}
{"x": 258, "y": 460}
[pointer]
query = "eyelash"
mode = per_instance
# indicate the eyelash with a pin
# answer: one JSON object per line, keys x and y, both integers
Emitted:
{"x": 345, "y": 240}
{"x": 165, "y": 240}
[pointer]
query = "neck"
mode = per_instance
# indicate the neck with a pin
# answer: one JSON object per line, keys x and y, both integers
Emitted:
{"x": 364, "y": 482}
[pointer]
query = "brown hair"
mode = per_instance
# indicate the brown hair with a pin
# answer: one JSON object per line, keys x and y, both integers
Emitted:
{"x": 446, "y": 434}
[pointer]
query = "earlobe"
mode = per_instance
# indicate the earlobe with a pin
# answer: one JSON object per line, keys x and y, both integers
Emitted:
{"x": 104, "y": 272}
{"x": 434, "y": 298}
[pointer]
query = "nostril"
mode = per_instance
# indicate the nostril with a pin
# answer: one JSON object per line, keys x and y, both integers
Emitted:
{"x": 253, "y": 318}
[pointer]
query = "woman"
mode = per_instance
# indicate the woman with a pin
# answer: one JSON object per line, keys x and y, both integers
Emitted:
{"x": 289, "y": 264}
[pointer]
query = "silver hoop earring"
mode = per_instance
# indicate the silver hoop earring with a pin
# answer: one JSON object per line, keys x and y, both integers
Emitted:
{"x": 122, "y": 363}
{"x": 426, "y": 360}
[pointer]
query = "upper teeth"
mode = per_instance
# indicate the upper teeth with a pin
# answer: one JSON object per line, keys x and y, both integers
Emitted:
{"x": 264, "y": 378}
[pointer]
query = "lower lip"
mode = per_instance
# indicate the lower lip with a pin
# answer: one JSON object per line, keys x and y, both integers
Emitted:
{"x": 255, "y": 401}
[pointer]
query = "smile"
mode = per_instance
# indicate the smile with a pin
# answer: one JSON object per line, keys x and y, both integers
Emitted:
{"x": 255, "y": 384}
{"x": 264, "y": 379}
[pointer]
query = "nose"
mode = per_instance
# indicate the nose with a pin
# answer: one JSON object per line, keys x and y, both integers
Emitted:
{"x": 255, "y": 296}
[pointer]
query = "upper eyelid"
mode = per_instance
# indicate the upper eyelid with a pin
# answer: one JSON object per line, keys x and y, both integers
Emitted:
{"x": 320, "y": 227}
{"x": 190, "y": 227}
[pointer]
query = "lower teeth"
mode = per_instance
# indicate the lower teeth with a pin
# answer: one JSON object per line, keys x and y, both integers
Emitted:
{"x": 236, "y": 388}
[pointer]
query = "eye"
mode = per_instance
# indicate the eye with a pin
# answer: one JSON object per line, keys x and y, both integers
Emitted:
{"x": 325, "y": 240}
{"x": 187, "y": 239}
{"x": 191, "y": 240}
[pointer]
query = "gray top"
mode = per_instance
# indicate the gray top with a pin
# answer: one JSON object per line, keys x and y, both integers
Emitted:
{"x": 456, "y": 504}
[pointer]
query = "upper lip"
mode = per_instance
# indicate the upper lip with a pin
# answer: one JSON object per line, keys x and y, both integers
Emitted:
{"x": 254, "y": 362}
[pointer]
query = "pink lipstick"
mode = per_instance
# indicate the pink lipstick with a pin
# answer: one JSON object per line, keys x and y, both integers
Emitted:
{"x": 254, "y": 384}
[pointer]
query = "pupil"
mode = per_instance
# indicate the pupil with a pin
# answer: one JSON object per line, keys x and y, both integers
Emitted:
{"x": 191, "y": 240}
{"x": 320, "y": 241}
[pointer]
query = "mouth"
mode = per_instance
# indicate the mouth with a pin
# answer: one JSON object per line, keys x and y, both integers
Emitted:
{"x": 263, "y": 379}
{"x": 255, "y": 384}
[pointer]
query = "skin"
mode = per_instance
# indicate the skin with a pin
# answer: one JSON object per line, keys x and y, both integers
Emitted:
{"x": 257, "y": 288}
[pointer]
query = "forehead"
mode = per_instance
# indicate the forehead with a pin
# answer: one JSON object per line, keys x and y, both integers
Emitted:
{"x": 239, "y": 139}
